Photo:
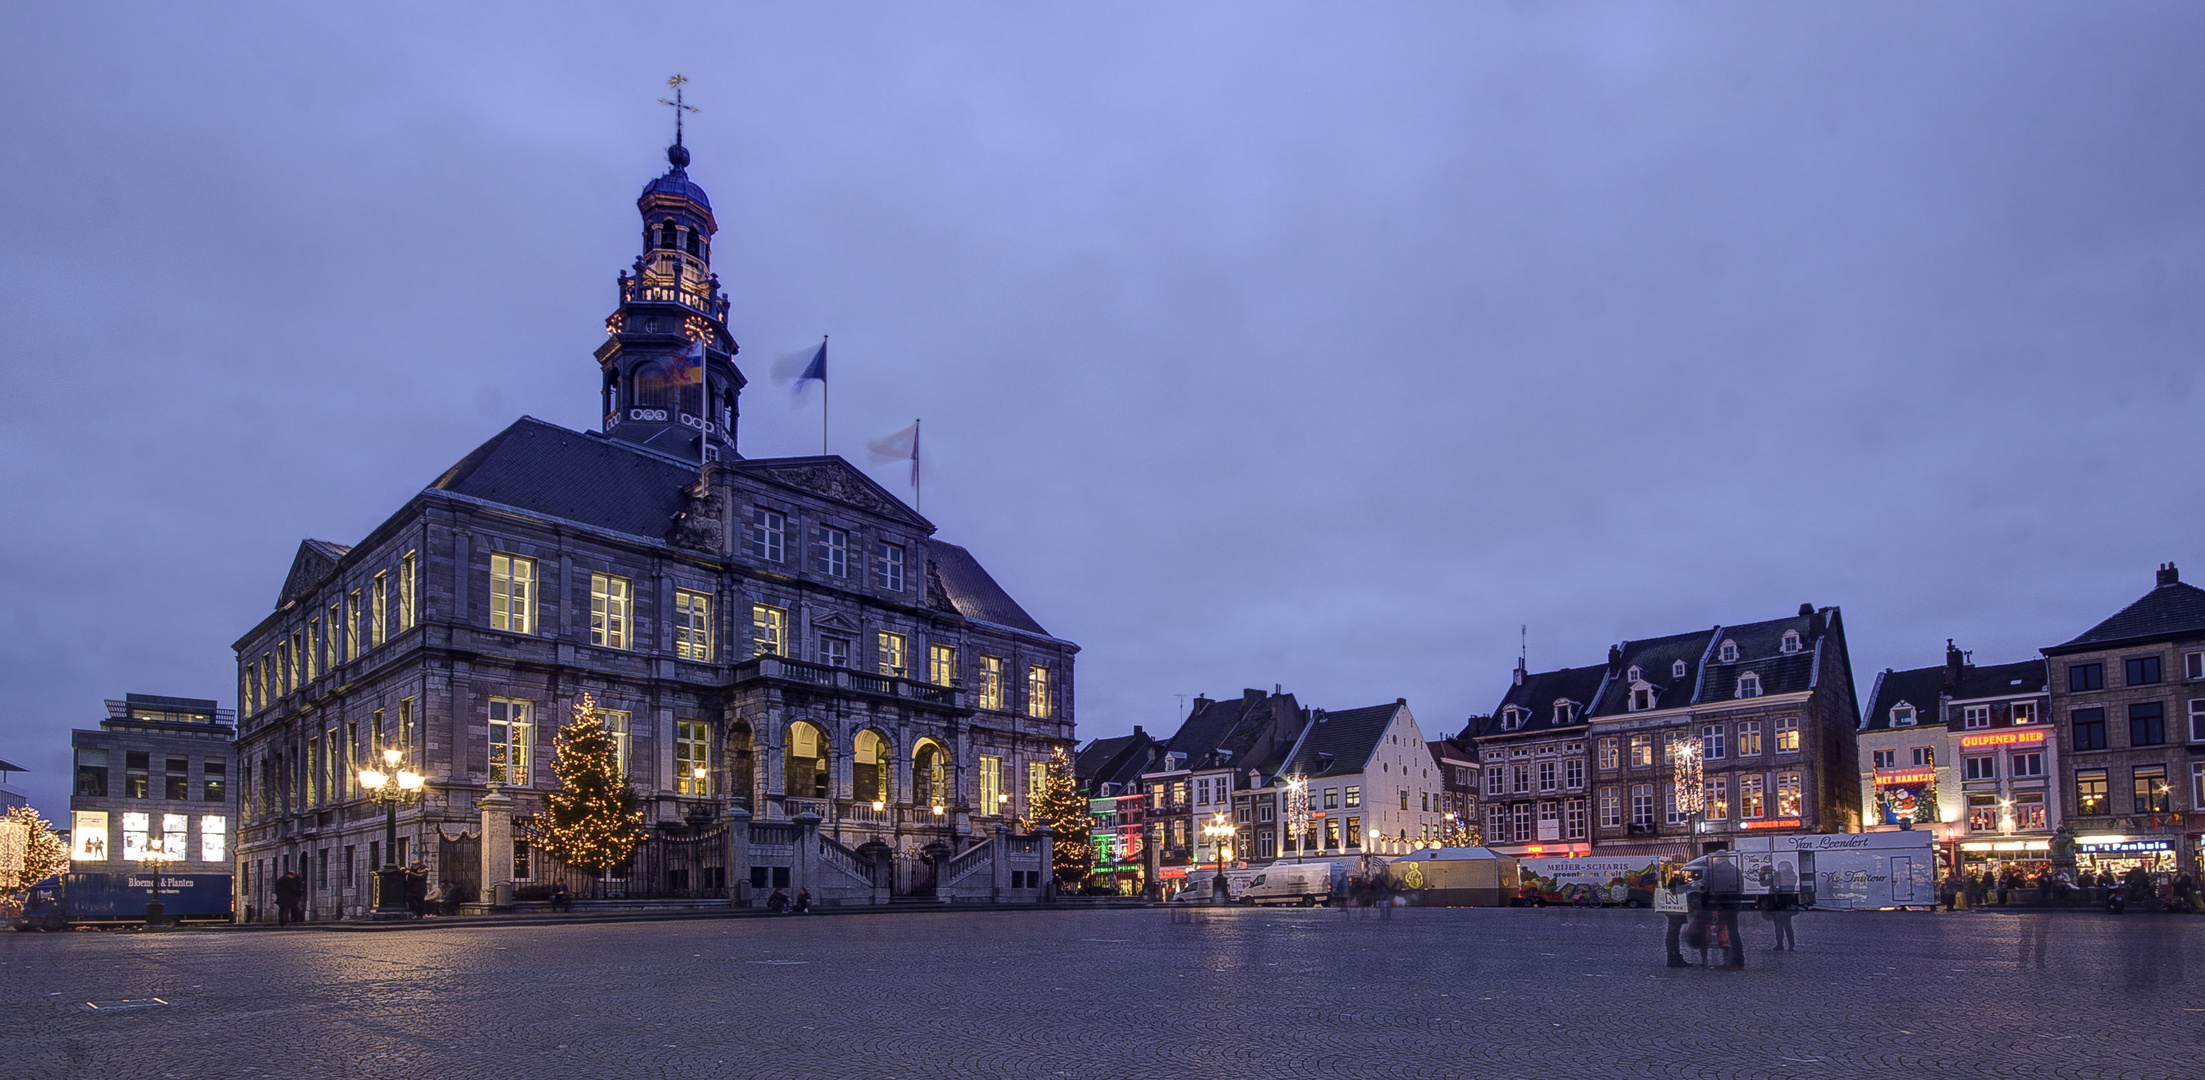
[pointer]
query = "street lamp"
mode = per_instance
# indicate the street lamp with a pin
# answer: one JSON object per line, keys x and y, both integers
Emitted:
{"x": 1217, "y": 830}
{"x": 390, "y": 787}
{"x": 156, "y": 853}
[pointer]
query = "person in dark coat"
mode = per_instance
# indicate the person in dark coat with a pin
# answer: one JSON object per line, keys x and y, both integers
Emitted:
{"x": 1725, "y": 891}
{"x": 803, "y": 901}
{"x": 290, "y": 898}
{"x": 417, "y": 890}
{"x": 561, "y": 899}
{"x": 778, "y": 902}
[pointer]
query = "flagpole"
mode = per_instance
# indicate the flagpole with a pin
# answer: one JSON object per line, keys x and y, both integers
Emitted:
{"x": 918, "y": 493}
{"x": 823, "y": 393}
{"x": 704, "y": 408}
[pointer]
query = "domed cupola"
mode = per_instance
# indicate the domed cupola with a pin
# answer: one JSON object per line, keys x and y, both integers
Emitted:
{"x": 669, "y": 377}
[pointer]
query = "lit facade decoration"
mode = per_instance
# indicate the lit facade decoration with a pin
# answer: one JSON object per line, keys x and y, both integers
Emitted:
{"x": 154, "y": 779}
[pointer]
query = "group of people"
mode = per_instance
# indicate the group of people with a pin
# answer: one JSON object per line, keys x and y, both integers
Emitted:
{"x": 1709, "y": 919}
{"x": 1981, "y": 889}
{"x": 291, "y": 892}
{"x": 779, "y": 902}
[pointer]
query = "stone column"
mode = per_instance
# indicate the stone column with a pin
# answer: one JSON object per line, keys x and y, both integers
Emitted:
{"x": 803, "y": 867}
{"x": 1048, "y": 840}
{"x": 497, "y": 842}
{"x": 738, "y": 855}
{"x": 1000, "y": 881}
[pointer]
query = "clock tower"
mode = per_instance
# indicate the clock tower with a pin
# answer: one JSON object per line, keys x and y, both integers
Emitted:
{"x": 667, "y": 367}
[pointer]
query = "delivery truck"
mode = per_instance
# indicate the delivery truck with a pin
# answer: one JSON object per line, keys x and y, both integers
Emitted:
{"x": 1842, "y": 871}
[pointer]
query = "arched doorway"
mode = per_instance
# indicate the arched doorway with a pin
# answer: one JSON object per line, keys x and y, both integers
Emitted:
{"x": 804, "y": 775}
{"x": 930, "y": 783}
{"x": 869, "y": 771}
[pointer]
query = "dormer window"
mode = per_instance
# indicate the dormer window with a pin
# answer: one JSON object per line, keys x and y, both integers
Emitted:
{"x": 1676, "y": 670}
{"x": 1902, "y": 715}
{"x": 1791, "y": 642}
{"x": 1512, "y": 718}
{"x": 1634, "y": 674}
{"x": 1561, "y": 711}
{"x": 1749, "y": 685}
{"x": 1642, "y": 697}
{"x": 1727, "y": 652}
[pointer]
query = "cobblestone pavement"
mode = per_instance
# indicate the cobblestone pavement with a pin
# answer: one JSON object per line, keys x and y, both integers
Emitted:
{"x": 1045, "y": 994}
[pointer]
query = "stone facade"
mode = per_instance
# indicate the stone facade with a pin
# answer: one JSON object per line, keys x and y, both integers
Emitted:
{"x": 786, "y": 653}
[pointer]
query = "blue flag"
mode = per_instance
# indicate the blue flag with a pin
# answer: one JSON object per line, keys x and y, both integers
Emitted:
{"x": 817, "y": 369}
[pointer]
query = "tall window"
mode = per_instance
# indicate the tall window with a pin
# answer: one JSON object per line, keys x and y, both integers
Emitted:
{"x": 330, "y": 648}
{"x": 692, "y": 760}
{"x": 352, "y": 627}
{"x": 618, "y": 724}
{"x": 1711, "y": 742}
{"x": 2147, "y": 723}
{"x": 895, "y": 655}
{"x": 212, "y": 774}
{"x": 868, "y": 774}
{"x": 1573, "y": 819}
{"x": 769, "y": 630}
{"x": 888, "y": 568}
{"x": 834, "y": 651}
{"x": 1750, "y": 801}
{"x": 214, "y": 838}
{"x": 1749, "y": 685}
{"x": 610, "y": 597}
{"x": 314, "y": 792}
{"x": 1037, "y": 780}
{"x": 1610, "y": 753}
{"x": 941, "y": 664}
{"x": 1496, "y": 780}
{"x": 991, "y": 682}
{"x": 991, "y": 784}
{"x": 178, "y": 779}
{"x": 692, "y": 625}
{"x": 834, "y": 552}
{"x": 509, "y": 741}
{"x": 1354, "y": 795}
{"x": 1642, "y": 805}
{"x": 1787, "y": 794}
{"x": 2148, "y": 786}
{"x": 2197, "y": 726}
{"x": 512, "y": 593}
{"x": 379, "y": 623}
{"x": 313, "y": 646}
{"x": 765, "y": 536}
{"x": 1548, "y": 781}
{"x": 804, "y": 767}
{"x": 1573, "y": 773}
{"x": 1718, "y": 797}
{"x": 405, "y": 726}
{"x": 1749, "y": 738}
{"x": 2197, "y": 781}
{"x": 1037, "y": 690}
{"x": 1611, "y": 809}
{"x": 406, "y": 575}
{"x": 2090, "y": 791}
{"x": 1670, "y": 812}
{"x": 1787, "y": 734}
{"x": 1642, "y": 751}
{"x": 2089, "y": 729}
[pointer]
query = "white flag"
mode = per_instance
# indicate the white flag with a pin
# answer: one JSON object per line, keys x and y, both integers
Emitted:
{"x": 898, "y": 447}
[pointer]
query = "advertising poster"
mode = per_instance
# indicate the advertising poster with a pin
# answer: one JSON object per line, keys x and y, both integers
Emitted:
{"x": 88, "y": 836}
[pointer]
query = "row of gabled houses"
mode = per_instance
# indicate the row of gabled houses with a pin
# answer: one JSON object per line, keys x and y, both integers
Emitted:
{"x": 1680, "y": 744}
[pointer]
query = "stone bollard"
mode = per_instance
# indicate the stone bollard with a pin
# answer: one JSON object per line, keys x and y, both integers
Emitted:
{"x": 497, "y": 847}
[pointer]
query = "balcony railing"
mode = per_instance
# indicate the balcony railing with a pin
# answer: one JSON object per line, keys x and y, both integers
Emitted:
{"x": 810, "y": 674}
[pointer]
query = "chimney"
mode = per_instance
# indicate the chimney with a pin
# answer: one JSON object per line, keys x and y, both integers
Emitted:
{"x": 1806, "y": 610}
{"x": 1278, "y": 688}
{"x": 2168, "y": 575}
{"x": 1817, "y": 624}
{"x": 1954, "y": 661}
{"x": 1615, "y": 659}
{"x": 1519, "y": 671}
{"x": 1138, "y": 733}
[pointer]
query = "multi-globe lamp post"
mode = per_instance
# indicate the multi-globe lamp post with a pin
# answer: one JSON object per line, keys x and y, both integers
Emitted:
{"x": 1219, "y": 830}
{"x": 390, "y": 785}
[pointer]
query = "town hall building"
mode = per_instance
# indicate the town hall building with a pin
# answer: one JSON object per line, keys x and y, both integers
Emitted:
{"x": 806, "y": 686}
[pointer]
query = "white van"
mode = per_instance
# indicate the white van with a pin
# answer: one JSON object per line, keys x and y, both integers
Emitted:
{"x": 1306, "y": 884}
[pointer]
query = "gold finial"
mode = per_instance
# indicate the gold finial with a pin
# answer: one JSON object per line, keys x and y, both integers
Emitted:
{"x": 677, "y": 104}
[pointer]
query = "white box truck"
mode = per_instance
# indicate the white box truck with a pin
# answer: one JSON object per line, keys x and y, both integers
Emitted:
{"x": 1843, "y": 871}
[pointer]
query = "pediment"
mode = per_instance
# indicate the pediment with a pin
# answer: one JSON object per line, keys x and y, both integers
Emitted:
{"x": 835, "y": 620}
{"x": 315, "y": 561}
{"x": 835, "y": 480}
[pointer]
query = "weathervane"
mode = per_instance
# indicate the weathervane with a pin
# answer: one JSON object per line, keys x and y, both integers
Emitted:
{"x": 677, "y": 105}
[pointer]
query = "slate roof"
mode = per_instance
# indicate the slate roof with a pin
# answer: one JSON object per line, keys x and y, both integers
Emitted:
{"x": 2172, "y": 610}
{"x": 1117, "y": 760}
{"x": 1537, "y": 696}
{"x": 676, "y": 182}
{"x": 972, "y": 592}
{"x": 1760, "y": 650}
{"x": 1656, "y": 658}
{"x": 1341, "y": 742}
{"x": 1919, "y": 687}
{"x": 545, "y": 468}
{"x": 1250, "y": 727}
{"x": 1998, "y": 680}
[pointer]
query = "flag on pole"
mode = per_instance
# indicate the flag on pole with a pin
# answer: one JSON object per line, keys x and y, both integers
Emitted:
{"x": 804, "y": 366}
{"x": 898, "y": 447}
{"x": 687, "y": 369}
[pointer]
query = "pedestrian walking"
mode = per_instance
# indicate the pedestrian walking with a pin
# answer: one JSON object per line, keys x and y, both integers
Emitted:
{"x": 1725, "y": 891}
{"x": 1949, "y": 892}
{"x": 290, "y": 890}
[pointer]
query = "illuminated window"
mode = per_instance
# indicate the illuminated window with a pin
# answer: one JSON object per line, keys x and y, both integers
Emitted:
{"x": 894, "y": 653}
{"x": 692, "y": 758}
{"x": 175, "y": 837}
{"x": 991, "y": 784}
{"x": 610, "y": 597}
{"x": 379, "y": 621}
{"x": 1354, "y": 831}
{"x": 1718, "y": 797}
{"x": 868, "y": 777}
{"x": 764, "y": 538}
{"x": 1787, "y": 794}
{"x": 692, "y": 625}
{"x": 1037, "y": 781}
{"x": 1750, "y": 801}
{"x": 135, "y": 827}
{"x": 941, "y": 664}
{"x": 352, "y": 627}
{"x": 1573, "y": 819}
{"x": 2025, "y": 712}
{"x": 1749, "y": 738}
{"x": 769, "y": 630}
{"x": 405, "y": 727}
{"x": 315, "y": 793}
{"x": 214, "y": 838}
{"x": 888, "y": 568}
{"x": 331, "y": 652}
{"x": 1354, "y": 796}
{"x": 509, "y": 741}
{"x": 618, "y": 724}
{"x": 2028, "y": 810}
{"x": 991, "y": 682}
{"x": 804, "y": 768}
{"x": 2090, "y": 791}
{"x": 2148, "y": 787}
{"x": 1610, "y": 752}
{"x": 406, "y": 575}
{"x": 1642, "y": 751}
{"x": 1037, "y": 690}
{"x": 512, "y": 593}
{"x": 313, "y": 646}
{"x": 834, "y": 552}
{"x": 1787, "y": 734}
{"x": 1982, "y": 812}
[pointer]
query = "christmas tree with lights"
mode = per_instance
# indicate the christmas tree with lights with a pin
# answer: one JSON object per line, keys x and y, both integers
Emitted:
{"x": 592, "y": 820}
{"x": 1063, "y": 808}
{"x": 30, "y": 851}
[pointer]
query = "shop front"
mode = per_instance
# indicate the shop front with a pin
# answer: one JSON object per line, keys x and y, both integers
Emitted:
{"x": 1993, "y": 858}
{"x": 2118, "y": 854}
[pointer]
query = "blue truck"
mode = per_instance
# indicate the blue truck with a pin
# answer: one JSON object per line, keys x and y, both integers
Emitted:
{"x": 116, "y": 899}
